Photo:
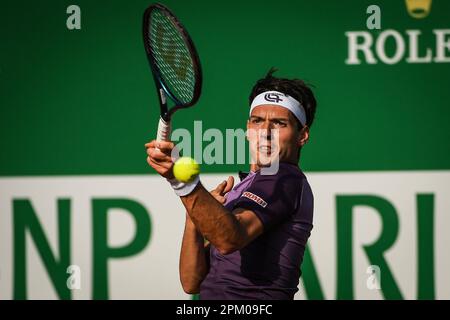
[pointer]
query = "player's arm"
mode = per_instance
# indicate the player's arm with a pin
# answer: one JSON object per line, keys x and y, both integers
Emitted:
{"x": 227, "y": 231}
{"x": 194, "y": 258}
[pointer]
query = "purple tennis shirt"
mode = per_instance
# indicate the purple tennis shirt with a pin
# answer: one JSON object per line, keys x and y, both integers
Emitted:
{"x": 269, "y": 266}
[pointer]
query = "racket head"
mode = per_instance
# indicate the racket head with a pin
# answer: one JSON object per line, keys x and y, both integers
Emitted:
{"x": 172, "y": 56}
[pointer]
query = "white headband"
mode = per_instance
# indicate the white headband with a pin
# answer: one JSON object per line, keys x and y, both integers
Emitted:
{"x": 282, "y": 100}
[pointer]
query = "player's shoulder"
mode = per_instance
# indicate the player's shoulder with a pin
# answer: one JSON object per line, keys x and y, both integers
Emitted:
{"x": 288, "y": 178}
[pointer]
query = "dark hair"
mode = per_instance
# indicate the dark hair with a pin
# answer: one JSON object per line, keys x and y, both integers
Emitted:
{"x": 295, "y": 88}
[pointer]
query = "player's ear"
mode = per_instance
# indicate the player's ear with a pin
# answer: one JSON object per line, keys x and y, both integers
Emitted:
{"x": 303, "y": 136}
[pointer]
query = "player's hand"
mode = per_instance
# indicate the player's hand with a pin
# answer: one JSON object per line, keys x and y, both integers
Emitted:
{"x": 219, "y": 193}
{"x": 159, "y": 157}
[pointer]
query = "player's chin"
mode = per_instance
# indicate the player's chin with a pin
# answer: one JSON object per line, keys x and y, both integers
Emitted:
{"x": 266, "y": 159}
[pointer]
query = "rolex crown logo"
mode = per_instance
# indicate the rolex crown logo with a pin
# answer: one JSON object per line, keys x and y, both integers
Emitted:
{"x": 418, "y": 8}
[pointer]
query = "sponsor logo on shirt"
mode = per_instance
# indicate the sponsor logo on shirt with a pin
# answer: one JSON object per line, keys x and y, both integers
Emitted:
{"x": 255, "y": 198}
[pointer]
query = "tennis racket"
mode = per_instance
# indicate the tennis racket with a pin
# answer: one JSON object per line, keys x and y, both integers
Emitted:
{"x": 174, "y": 63}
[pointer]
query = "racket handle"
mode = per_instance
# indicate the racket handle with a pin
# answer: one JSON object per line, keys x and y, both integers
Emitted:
{"x": 163, "y": 130}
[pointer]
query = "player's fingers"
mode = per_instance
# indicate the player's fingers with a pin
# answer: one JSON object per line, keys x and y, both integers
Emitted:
{"x": 229, "y": 184}
{"x": 152, "y": 163}
{"x": 221, "y": 199}
{"x": 150, "y": 144}
{"x": 150, "y": 152}
{"x": 164, "y": 168}
{"x": 165, "y": 146}
{"x": 169, "y": 149}
{"x": 161, "y": 164}
{"x": 220, "y": 187}
{"x": 158, "y": 156}
{"x": 162, "y": 145}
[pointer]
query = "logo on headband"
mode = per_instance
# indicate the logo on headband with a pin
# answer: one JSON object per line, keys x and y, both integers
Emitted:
{"x": 273, "y": 97}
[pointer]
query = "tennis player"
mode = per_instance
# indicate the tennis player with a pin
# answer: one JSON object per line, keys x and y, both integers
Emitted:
{"x": 256, "y": 231}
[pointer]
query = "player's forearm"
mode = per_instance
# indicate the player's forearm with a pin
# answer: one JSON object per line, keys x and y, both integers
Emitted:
{"x": 193, "y": 263}
{"x": 214, "y": 221}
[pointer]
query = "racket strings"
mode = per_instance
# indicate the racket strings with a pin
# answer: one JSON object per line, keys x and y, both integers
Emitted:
{"x": 172, "y": 57}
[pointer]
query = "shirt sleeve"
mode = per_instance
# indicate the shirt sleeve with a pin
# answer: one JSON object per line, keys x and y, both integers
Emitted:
{"x": 273, "y": 198}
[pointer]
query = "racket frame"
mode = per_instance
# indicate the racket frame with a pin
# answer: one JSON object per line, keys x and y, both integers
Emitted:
{"x": 161, "y": 86}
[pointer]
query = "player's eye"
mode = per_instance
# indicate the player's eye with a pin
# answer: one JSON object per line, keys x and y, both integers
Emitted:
{"x": 256, "y": 120}
{"x": 279, "y": 123}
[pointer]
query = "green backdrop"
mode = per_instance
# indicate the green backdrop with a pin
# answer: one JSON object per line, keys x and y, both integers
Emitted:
{"x": 83, "y": 101}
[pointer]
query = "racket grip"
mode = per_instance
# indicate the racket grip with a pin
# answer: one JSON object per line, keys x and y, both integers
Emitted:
{"x": 163, "y": 130}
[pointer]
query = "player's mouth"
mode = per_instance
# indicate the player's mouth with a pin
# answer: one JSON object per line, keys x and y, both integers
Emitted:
{"x": 265, "y": 149}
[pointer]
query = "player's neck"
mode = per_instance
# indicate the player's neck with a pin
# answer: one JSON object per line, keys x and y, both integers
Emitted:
{"x": 255, "y": 167}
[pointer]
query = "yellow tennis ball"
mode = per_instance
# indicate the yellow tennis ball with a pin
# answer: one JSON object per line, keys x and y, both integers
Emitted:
{"x": 186, "y": 169}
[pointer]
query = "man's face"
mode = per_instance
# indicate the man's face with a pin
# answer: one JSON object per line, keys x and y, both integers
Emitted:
{"x": 272, "y": 132}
